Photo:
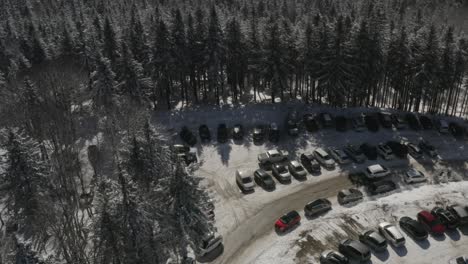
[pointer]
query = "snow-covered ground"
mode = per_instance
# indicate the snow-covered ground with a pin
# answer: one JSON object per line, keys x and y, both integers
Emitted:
{"x": 246, "y": 220}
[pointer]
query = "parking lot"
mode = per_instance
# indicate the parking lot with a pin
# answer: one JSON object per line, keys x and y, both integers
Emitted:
{"x": 243, "y": 219}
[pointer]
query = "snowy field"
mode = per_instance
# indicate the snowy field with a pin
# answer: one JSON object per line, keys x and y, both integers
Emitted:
{"x": 246, "y": 220}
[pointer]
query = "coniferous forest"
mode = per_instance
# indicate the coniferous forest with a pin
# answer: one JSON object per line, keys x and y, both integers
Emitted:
{"x": 94, "y": 70}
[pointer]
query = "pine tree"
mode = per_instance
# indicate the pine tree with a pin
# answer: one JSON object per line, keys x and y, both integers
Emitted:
{"x": 103, "y": 85}
{"x": 162, "y": 64}
{"x": 179, "y": 52}
{"x": 215, "y": 55}
{"x": 235, "y": 58}
{"x": 110, "y": 48}
{"x": 138, "y": 37}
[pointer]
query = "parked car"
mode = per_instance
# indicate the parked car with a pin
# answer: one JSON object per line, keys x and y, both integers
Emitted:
{"x": 413, "y": 228}
{"x": 355, "y": 153}
{"x": 238, "y": 132}
{"x": 310, "y": 163}
{"x": 187, "y": 136}
{"x": 310, "y": 123}
{"x": 184, "y": 154}
{"x": 204, "y": 133}
{"x": 414, "y": 176}
{"x": 428, "y": 148}
{"x": 349, "y": 196}
{"x": 245, "y": 180}
{"x": 292, "y": 123}
{"x": 426, "y": 122}
{"x": 459, "y": 260}
{"x": 264, "y": 180}
{"x": 208, "y": 243}
{"x": 413, "y": 121}
{"x": 355, "y": 250}
{"x": 223, "y": 133}
{"x": 273, "y": 132}
{"x": 380, "y": 187}
{"x": 392, "y": 234}
{"x": 385, "y": 151}
{"x": 385, "y": 119}
{"x": 317, "y": 207}
{"x": 377, "y": 171}
{"x": 431, "y": 223}
{"x": 441, "y": 125}
{"x": 358, "y": 123}
{"x": 339, "y": 156}
{"x": 456, "y": 130}
{"x": 326, "y": 119}
{"x": 341, "y": 123}
{"x": 399, "y": 150}
{"x": 324, "y": 158}
{"x": 372, "y": 123}
{"x": 333, "y": 257}
{"x": 414, "y": 150}
{"x": 271, "y": 156}
{"x": 287, "y": 221}
{"x": 296, "y": 170}
{"x": 446, "y": 217}
{"x": 369, "y": 150}
{"x": 460, "y": 212}
{"x": 373, "y": 240}
{"x": 281, "y": 173}
{"x": 398, "y": 121}
{"x": 258, "y": 133}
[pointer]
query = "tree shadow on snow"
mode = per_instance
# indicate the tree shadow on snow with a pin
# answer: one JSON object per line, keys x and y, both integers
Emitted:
{"x": 224, "y": 151}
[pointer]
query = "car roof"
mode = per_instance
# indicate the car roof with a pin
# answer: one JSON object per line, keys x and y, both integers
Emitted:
{"x": 273, "y": 152}
{"x": 243, "y": 174}
{"x": 295, "y": 163}
{"x": 321, "y": 151}
{"x": 427, "y": 215}
{"x": 359, "y": 246}
{"x": 375, "y": 168}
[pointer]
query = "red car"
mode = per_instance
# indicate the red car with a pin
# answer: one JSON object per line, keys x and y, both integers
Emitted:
{"x": 287, "y": 221}
{"x": 430, "y": 222}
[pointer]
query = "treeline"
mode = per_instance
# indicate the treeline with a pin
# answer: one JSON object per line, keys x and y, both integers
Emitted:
{"x": 343, "y": 53}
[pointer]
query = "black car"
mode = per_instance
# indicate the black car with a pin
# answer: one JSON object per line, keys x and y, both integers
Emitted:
{"x": 370, "y": 151}
{"x": 426, "y": 122}
{"x": 292, "y": 123}
{"x": 413, "y": 228}
{"x": 400, "y": 150}
{"x": 446, "y": 217}
{"x": 317, "y": 207}
{"x": 373, "y": 240}
{"x": 184, "y": 154}
{"x": 258, "y": 133}
{"x": 456, "y": 130}
{"x": 355, "y": 153}
{"x": 273, "y": 132}
{"x": 428, "y": 148}
{"x": 372, "y": 123}
{"x": 341, "y": 123}
{"x": 413, "y": 121}
{"x": 379, "y": 187}
{"x": 398, "y": 121}
{"x": 238, "y": 132}
{"x": 385, "y": 119}
{"x": 310, "y": 123}
{"x": 263, "y": 179}
{"x": 460, "y": 212}
{"x": 354, "y": 250}
{"x": 326, "y": 119}
{"x": 310, "y": 163}
{"x": 333, "y": 257}
{"x": 223, "y": 133}
{"x": 187, "y": 136}
{"x": 204, "y": 133}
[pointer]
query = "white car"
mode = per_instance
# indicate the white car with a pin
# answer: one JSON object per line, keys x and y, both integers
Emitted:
{"x": 245, "y": 180}
{"x": 377, "y": 171}
{"x": 340, "y": 156}
{"x": 324, "y": 158}
{"x": 281, "y": 173}
{"x": 297, "y": 170}
{"x": 209, "y": 242}
{"x": 414, "y": 176}
{"x": 392, "y": 234}
{"x": 385, "y": 151}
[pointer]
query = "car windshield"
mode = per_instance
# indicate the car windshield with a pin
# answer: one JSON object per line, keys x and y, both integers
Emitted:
{"x": 435, "y": 222}
{"x": 281, "y": 169}
{"x": 298, "y": 168}
{"x": 246, "y": 180}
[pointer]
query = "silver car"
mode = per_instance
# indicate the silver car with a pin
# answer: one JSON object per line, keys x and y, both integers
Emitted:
{"x": 349, "y": 195}
{"x": 209, "y": 242}
{"x": 392, "y": 234}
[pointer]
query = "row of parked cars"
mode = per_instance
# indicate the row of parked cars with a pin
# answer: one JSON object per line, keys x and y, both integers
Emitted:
{"x": 434, "y": 222}
{"x": 313, "y": 122}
